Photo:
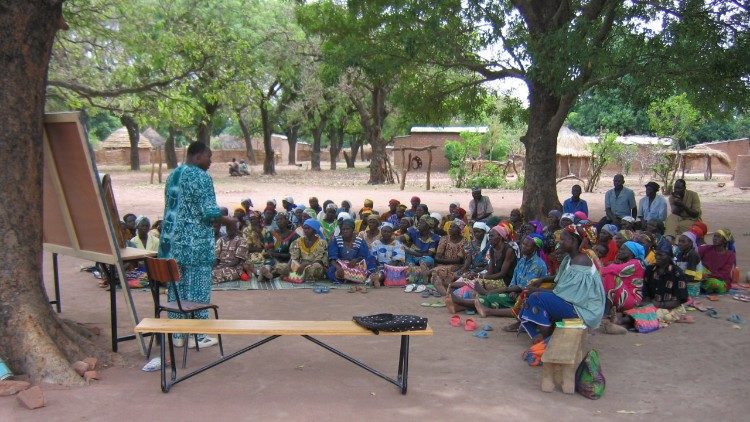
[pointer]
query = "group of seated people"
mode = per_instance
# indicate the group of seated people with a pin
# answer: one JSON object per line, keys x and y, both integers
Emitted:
{"x": 538, "y": 272}
{"x": 238, "y": 169}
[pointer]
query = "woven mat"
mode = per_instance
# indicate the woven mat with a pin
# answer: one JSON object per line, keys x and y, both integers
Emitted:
{"x": 276, "y": 284}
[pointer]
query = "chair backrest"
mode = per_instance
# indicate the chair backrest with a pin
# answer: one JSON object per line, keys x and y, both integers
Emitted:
{"x": 163, "y": 271}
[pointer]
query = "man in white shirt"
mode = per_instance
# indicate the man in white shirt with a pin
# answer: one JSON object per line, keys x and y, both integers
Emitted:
{"x": 480, "y": 208}
{"x": 652, "y": 206}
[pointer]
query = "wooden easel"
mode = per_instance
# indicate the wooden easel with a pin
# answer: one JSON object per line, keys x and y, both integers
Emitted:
{"x": 78, "y": 221}
{"x": 406, "y": 165}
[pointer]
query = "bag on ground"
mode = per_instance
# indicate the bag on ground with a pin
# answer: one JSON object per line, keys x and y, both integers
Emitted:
{"x": 589, "y": 376}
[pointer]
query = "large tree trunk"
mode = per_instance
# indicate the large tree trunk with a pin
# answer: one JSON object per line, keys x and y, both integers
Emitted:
{"x": 336, "y": 136}
{"x": 540, "y": 189}
{"x": 317, "y": 134}
{"x": 206, "y": 124}
{"x": 169, "y": 153}
{"x": 354, "y": 147}
{"x": 269, "y": 165}
{"x": 35, "y": 341}
{"x": 375, "y": 138}
{"x": 134, "y": 135}
{"x": 292, "y": 135}
{"x": 248, "y": 139}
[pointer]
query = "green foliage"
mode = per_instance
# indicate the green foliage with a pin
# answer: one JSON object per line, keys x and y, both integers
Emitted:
{"x": 458, "y": 152}
{"x": 602, "y": 153}
{"x": 493, "y": 176}
{"x": 664, "y": 167}
{"x": 101, "y": 124}
{"x": 674, "y": 117}
{"x": 606, "y": 111}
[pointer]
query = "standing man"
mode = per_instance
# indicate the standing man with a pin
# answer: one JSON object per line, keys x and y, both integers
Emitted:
{"x": 652, "y": 206}
{"x": 685, "y": 209}
{"x": 618, "y": 202}
{"x": 187, "y": 236}
{"x": 480, "y": 208}
{"x": 575, "y": 203}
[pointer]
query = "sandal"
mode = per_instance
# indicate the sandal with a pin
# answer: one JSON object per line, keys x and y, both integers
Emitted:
{"x": 713, "y": 298}
{"x": 425, "y": 294}
{"x": 410, "y": 288}
{"x": 470, "y": 325}
{"x": 455, "y": 321}
{"x": 353, "y": 289}
{"x": 736, "y": 318}
{"x": 421, "y": 288}
{"x": 686, "y": 319}
{"x": 487, "y": 327}
{"x": 712, "y": 313}
{"x": 741, "y": 297}
{"x": 481, "y": 334}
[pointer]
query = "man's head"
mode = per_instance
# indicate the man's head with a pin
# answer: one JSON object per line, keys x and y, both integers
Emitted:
{"x": 313, "y": 201}
{"x": 129, "y": 220}
{"x": 476, "y": 193}
{"x": 199, "y": 154}
{"x": 393, "y": 205}
{"x": 232, "y": 229}
{"x": 618, "y": 181}
{"x": 575, "y": 192}
{"x": 415, "y": 201}
{"x": 143, "y": 226}
{"x": 652, "y": 188}
{"x": 679, "y": 188}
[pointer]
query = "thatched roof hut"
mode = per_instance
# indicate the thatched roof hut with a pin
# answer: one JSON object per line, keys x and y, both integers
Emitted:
{"x": 156, "y": 140}
{"x": 701, "y": 152}
{"x": 120, "y": 139}
{"x": 230, "y": 142}
{"x": 571, "y": 144}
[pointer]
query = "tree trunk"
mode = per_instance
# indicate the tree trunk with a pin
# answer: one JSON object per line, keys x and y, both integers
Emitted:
{"x": 292, "y": 135}
{"x": 540, "y": 140}
{"x": 374, "y": 136}
{"x": 336, "y": 136}
{"x": 269, "y": 165}
{"x": 355, "y": 145}
{"x": 169, "y": 152}
{"x": 317, "y": 134}
{"x": 248, "y": 139}
{"x": 133, "y": 133}
{"x": 35, "y": 341}
{"x": 206, "y": 124}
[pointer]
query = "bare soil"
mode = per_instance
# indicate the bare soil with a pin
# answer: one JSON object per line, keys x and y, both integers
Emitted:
{"x": 682, "y": 372}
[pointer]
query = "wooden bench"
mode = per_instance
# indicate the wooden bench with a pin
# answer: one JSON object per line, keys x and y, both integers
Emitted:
{"x": 273, "y": 329}
{"x": 561, "y": 358}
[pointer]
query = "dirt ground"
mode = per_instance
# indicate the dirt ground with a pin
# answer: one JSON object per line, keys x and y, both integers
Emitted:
{"x": 682, "y": 372}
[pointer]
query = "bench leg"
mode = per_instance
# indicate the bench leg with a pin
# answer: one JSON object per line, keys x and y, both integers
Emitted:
{"x": 403, "y": 363}
{"x": 568, "y": 379}
{"x": 548, "y": 382}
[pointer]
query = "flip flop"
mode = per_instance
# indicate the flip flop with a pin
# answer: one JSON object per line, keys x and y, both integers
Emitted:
{"x": 438, "y": 304}
{"x": 481, "y": 334}
{"x": 362, "y": 289}
{"x": 486, "y": 327}
{"x": 686, "y": 319}
{"x": 736, "y": 318}
{"x": 471, "y": 312}
{"x": 700, "y": 306}
{"x": 426, "y": 304}
{"x": 421, "y": 288}
{"x": 435, "y": 293}
{"x": 713, "y": 298}
{"x": 353, "y": 289}
{"x": 741, "y": 297}
{"x": 712, "y": 313}
{"x": 455, "y": 321}
{"x": 425, "y": 294}
{"x": 410, "y": 288}
{"x": 470, "y": 325}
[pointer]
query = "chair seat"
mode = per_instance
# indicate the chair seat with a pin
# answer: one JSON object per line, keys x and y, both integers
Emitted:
{"x": 187, "y": 306}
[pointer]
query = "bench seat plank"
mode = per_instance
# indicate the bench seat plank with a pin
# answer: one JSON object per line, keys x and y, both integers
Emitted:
{"x": 564, "y": 346}
{"x": 263, "y": 327}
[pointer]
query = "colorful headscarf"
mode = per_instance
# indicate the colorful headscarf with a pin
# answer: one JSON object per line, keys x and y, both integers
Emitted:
{"x": 555, "y": 213}
{"x": 727, "y": 235}
{"x": 693, "y": 238}
{"x": 572, "y": 229}
{"x": 509, "y": 227}
{"x": 580, "y": 215}
{"x": 394, "y": 202}
{"x": 280, "y": 214}
{"x": 639, "y": 252}
{"x": 588, "y": 231}
{"x": 626, "y": 234}
{"x": 386, "y": 224}
{"x": 699, "y": 228}
{"x": 311, "y": 212}
{"x": 568, "y": 216}
{"x": 415, "y": 198}
{"x": 368, "y": 203}
{"x": 373, "y": 217}
{"x": 502, "y": 231}
{"x": 610, "y": 228}
{"x": 537, "y": 239}
{"x": 315, "y": 225}
{"x": 461, "y": 212}
{"x": 344, "y": 215}
{"x": 427, "y": 219}
{"x": 402, "y": 207}
{"x": 538, "y": 226}
{"x": 240, "y": 209}
{"x": 460, "y": 223}
{"x": 486, "y": 229}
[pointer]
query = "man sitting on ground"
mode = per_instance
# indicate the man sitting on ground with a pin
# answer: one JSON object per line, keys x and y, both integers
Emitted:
{"x": 244, "y": 169}
{"x": 234, "y": 168}
{"x": 619, "y": 202}
{"x": 652, "y": 206}
{"x": 685, "y": 209}
{"x": 575, "y": 203}
{"x": 480, "y": 208}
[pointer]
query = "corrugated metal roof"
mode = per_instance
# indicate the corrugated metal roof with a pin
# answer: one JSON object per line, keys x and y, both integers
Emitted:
{"x": 633, "y": 140}
{"x": 449, "y": 129}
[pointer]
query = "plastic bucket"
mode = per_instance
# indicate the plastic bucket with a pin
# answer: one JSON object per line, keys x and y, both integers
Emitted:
{"x": 694, "y": 289}
{"x": 4, "y": 370}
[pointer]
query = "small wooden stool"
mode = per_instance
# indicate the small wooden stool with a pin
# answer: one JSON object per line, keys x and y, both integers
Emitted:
{"x": 561, "y": 358}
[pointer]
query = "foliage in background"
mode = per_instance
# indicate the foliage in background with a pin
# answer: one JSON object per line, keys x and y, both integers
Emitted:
{"x": 664, "y": 167}
{"x": 673, "y": 118}
{"x": 459, "y": 152}
{"x": 602, "y": 153}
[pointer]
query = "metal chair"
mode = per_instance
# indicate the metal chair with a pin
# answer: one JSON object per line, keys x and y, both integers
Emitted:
{"x": 165, "y": 272}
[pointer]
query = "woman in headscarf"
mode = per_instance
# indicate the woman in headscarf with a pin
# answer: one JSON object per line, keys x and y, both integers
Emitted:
{"x": 530, "y": 267}
{"x": 348, "y": 256}
{"x": 476, "y": 252}
{"x": 648, "y": 242}
{"x": 623, "y": 281}
{"x": 578, "y": 292}
{"x": 687, "y": 257}
{"x": 329, "y": 223}
{"x": 366, "y": 210}
{"x": 421, "y": 245}
{"x": 253, "y": 234}
{"x": 450, "y": 255}
{"x": 551, "y": 242}
{"x": 664, "y": 282}
{"x": 277, "y": 244}
{"x": 231, "y": 254}
{"x": 346, "y": 207}
{"x": 309, "y": 254}
{"x": 621, "y": 237}
{"x": 437, "y": 224}
{"x": 403, "y": 226}
{"x": 385, "y": 250}
{"x": 372, "y": 232}
{"x": 606, "y": 238}
{"x": 719, "y": 260}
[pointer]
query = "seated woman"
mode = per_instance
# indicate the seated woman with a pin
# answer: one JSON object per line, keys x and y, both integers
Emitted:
{"x": 606, "y": 238}
{"x": 502, "y": 263}
{"x": 420, "y": 247}
{"x": 348, "y": 256}
{"x": 475, "y": 263}
{"x": 664, "y": 282}
{"x": 687, "y": 257}
{"x": 648, "y": 241}
{"x": 253, "y": 234}
{"x": 622, "y": 281}
{"x": 719, "y": 260}
{"x": 450, "y": 255}
{"x": 403, "y": 226}
{"x": 231, "y": 253}
{"x": 144, "y": 238}
{"x": 309, "y": 254}
{"x": 386, "y": 250}
{"x": 277, "y": 244}
{"x": 578, "y": 293}
{"x": 372, "y": 232}
{"x": 498, "y": 302}
{"x": 621, "y": 237}
{"x": 329, "y": 222}
{"x": 156, "y": 229}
